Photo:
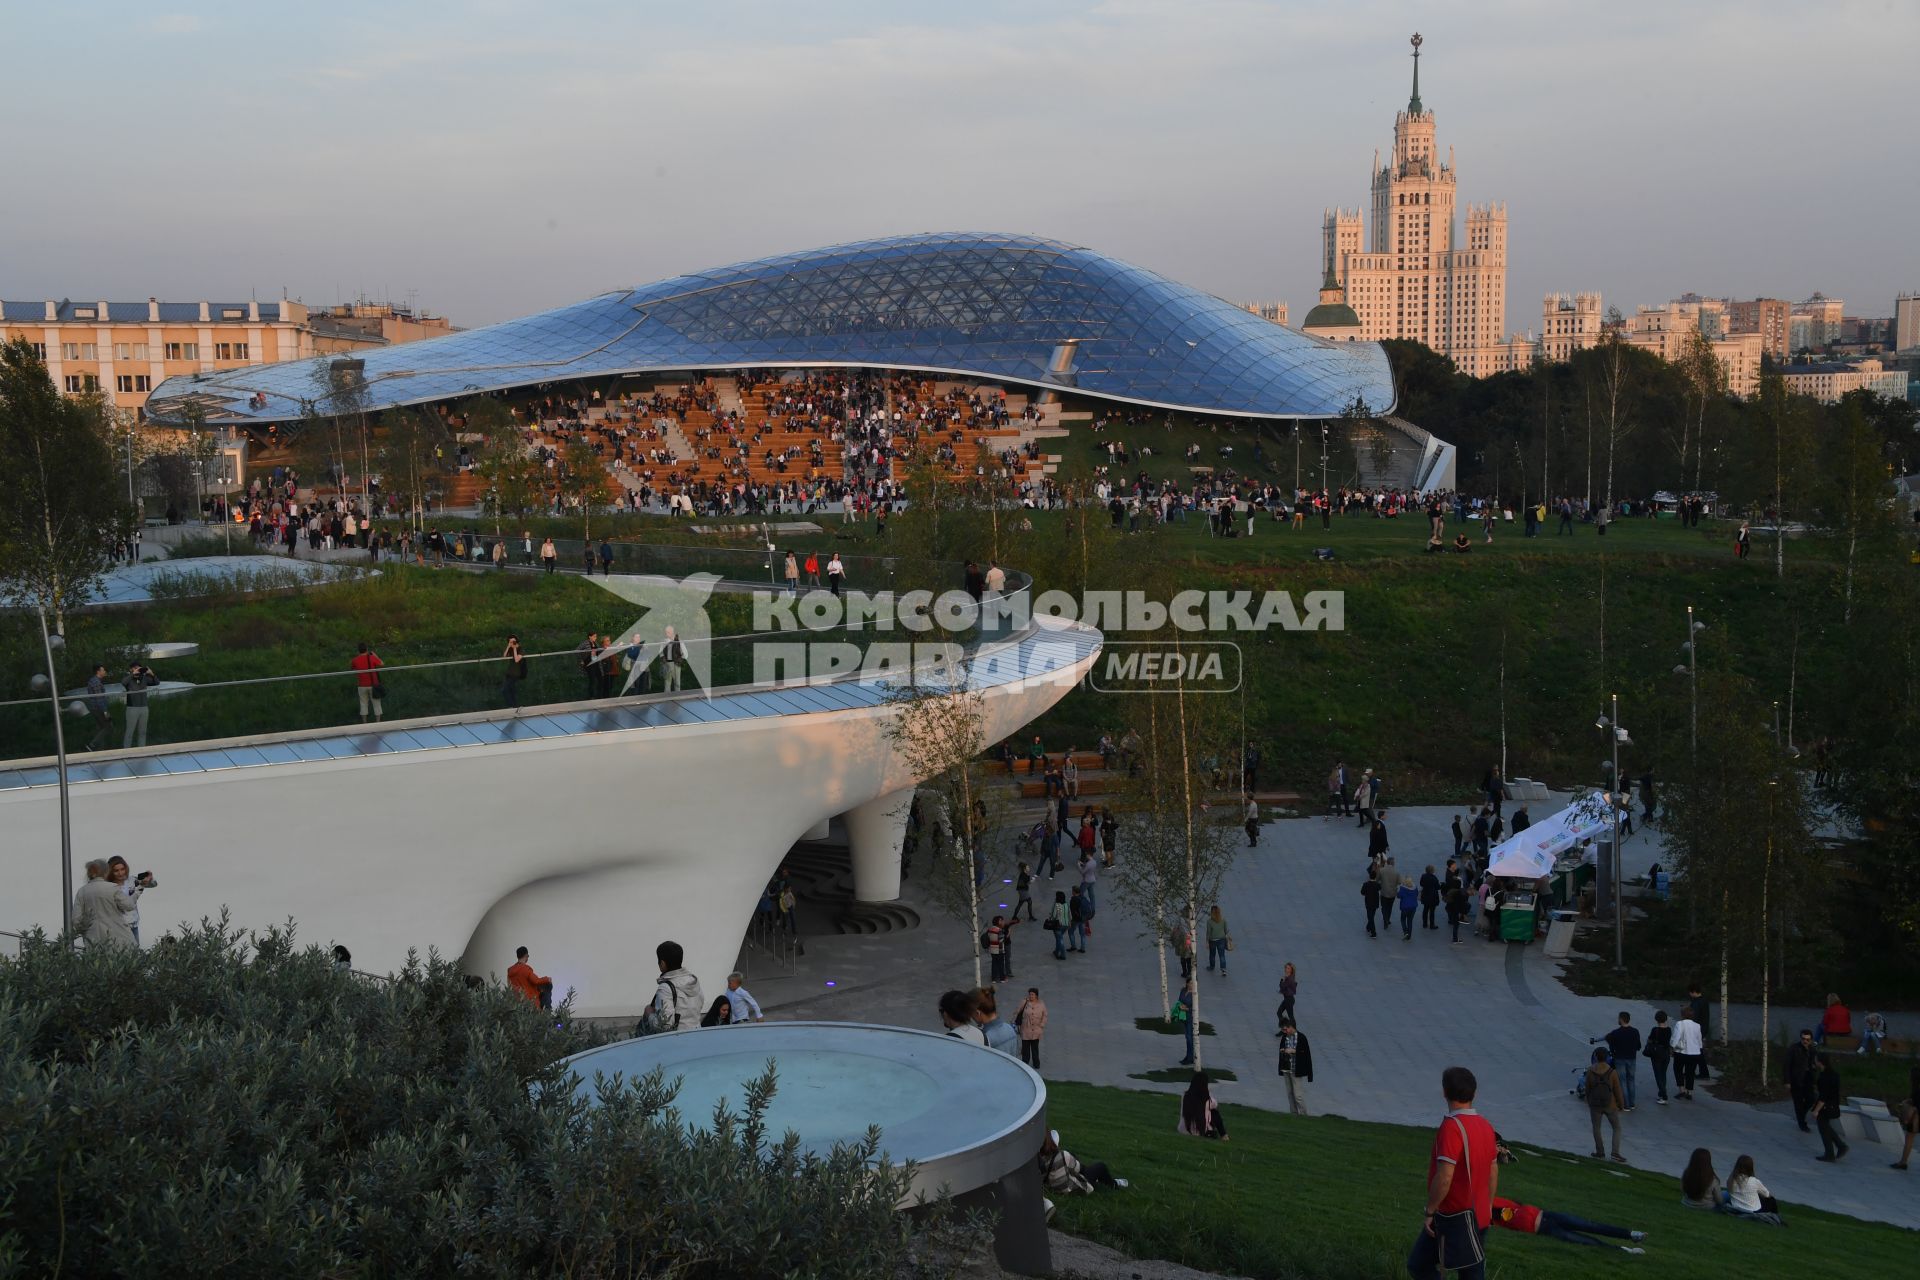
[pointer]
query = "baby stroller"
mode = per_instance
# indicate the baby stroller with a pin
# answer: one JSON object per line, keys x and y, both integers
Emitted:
{"x": 1579, "y": 1089}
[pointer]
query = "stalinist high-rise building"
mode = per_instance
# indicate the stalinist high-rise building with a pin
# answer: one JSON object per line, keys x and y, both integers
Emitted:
{"x": 1408, "y": 277}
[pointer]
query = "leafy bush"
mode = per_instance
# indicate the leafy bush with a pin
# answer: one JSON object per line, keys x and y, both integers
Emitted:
{"x": 238, "y": 580}
{"x": 229, "y": 1104}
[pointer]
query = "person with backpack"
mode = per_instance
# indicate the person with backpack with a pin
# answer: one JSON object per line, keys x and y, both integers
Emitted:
{"x": 677, "y": 1002}
{"x": 672, "y": 654}
{"x": 956, "y": 1015}
{"x": 1605, "y": 1101}
{"x": 1079, "y": 910}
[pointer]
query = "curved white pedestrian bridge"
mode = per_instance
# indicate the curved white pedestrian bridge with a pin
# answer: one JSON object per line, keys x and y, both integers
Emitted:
{"x": 586, "y": 831}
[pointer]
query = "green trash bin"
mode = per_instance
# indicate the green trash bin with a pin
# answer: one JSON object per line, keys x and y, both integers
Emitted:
{"x": 1517, "y": 918}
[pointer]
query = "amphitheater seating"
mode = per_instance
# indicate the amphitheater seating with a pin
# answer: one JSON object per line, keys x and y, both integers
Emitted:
{"x": 815, "y": 454}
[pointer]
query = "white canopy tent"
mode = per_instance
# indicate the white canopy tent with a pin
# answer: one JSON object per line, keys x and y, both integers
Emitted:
{"x": 1530, "y": 854}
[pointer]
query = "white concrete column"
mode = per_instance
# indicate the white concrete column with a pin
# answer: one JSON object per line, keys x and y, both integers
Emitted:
{"x": 875, "y": 832}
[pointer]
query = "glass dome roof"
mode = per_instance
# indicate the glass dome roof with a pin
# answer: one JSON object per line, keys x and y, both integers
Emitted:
{"x": 994, "y": 307}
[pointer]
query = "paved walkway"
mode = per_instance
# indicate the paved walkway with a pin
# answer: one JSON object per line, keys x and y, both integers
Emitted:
{"x": 1384, "y": 1016}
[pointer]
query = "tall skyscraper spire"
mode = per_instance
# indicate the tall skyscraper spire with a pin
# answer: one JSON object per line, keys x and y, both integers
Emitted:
{"x": 1413, "y": 103}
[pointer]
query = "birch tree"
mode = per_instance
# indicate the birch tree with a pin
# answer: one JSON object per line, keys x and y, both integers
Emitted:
{"x": 61, "y": 502}
{"x": 1857, "y": 492}
{"x": 1616, "y": 399}
{"x": 939, "y": 732}
{"x": 584, "y": 482}
{"x": 1180, "y": 844}
{"x": 1739, "y": 826}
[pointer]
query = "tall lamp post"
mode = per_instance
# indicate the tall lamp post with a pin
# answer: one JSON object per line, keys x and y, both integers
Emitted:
{"x": 1615, "y": 794}
{"x": 60, "y": 758}
{"x": 1690, "y": 668}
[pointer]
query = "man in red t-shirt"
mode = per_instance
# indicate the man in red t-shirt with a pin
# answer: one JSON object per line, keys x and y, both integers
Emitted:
{"x": 1461, "y": 1180}
{"x": 523, "y": 979}
{"x": 366, "y": 662}
{"x": 1531, "y": 1219}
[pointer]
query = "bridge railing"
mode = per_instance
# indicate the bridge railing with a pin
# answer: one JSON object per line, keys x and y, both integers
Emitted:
{"x": 476, "y": 679}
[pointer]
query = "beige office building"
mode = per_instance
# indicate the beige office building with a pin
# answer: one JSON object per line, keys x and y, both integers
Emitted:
{"x": 1816, "y": 322}
{"x": 125, "y": 349}
{"x": 1830, "y": 381}
{"x": 1569, "y": 322}
{"x": 1404, "y": 275}
{"x": 1665, "y": 332}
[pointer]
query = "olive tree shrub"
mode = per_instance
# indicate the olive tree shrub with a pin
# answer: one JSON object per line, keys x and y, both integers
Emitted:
{"x": 228, "y": 1103}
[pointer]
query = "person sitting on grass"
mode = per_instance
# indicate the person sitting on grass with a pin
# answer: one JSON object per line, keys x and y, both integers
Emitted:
{"x": 1200, "y": 1115}
{"x": 1461, "y": 546}
{"x": 1748, "y": 1197}
{"x": 1699, "y": 1184}
{"x": 1533, "y": 1220}
{"x": 1067, "y": 1176}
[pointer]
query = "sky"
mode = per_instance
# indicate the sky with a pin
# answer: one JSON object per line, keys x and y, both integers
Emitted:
{"x": 484, "y": 160}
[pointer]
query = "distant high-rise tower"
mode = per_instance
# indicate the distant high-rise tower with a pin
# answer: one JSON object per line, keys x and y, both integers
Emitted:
{"x": 1410, "y": 281}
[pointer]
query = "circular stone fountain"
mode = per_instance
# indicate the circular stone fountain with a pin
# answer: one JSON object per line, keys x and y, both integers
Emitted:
{"x": 970, "y": 1119}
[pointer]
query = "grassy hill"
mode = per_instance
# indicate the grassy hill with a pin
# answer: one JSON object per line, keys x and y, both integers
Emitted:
{"x": 1319, "y": 1197}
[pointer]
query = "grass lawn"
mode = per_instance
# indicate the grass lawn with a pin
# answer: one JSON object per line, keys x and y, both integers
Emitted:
{"x": 1324, "y": 1198}
{"x": 1412, "y": 684}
